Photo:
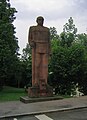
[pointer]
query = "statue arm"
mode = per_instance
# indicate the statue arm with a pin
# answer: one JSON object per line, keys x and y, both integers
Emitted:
{"x": 49, "y": 42}
{"x": 30, "y": 39}
{"x": 29, "y": 36}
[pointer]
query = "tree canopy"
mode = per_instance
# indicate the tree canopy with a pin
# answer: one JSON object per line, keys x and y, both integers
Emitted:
{"x": 8, "y": 41}
{"x": 69, "y": 33}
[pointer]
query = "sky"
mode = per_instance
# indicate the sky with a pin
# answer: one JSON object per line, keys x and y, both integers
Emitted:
{"x": 55, "y": 12}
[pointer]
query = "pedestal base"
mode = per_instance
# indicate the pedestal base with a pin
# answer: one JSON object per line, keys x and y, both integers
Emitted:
{"x": 27, "y": 99}
{"x": 40, "y": 91}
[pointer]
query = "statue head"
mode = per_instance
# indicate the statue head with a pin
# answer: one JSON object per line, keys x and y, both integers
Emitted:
{"x": 40, "y": 20}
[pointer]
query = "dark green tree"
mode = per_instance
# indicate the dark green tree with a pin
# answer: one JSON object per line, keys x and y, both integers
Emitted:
{"x": 82, "y": 83}
{"x": 82, "y": 38}
{"x": 68, "y": 63}
{"x": 66, "y": 67}
{"x": 26, "y": 66}
{"x": 8, "y": 42}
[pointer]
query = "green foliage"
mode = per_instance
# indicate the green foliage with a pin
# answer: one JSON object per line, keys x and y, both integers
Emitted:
{"x": 70, "y": 27}
{"x": 69, "y": 33}
{"x": 82, "y": 39}
{"x": 66, "y": 67}
{"x": 26, "y": 52}
{"x": 53, "y": 33}
{"x": 27, "y": 66}
{"x": 68, "y": 64}
{"x": 8, "y": 42}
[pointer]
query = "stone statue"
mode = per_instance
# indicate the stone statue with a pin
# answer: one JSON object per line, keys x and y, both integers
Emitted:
{"x": 39, "y": 40}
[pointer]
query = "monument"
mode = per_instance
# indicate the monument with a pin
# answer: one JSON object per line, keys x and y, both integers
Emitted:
{"x": 39, "y": 40}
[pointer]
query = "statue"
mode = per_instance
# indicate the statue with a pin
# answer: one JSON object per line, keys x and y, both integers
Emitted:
{"x": 39, "y": 40}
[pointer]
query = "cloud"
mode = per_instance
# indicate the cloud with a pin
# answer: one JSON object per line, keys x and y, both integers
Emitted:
{"x": 51, "y": 9}
{"x": 81, "y": 3}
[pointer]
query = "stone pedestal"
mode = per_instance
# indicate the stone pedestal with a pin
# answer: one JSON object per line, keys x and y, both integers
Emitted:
{"x": 33, "y": 91}
{"x": 43, "y": 90}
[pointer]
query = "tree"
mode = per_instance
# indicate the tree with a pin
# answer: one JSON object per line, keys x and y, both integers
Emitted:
{"x": 66, "y": 67}
{"x": 26, "y": 52}
{"x": 53, "y": 33}
{"x": 26, "y": 66}
{"x": 8, "y": 41}
{"x": 68, "y": 63}
{"x": 69, "y": 33}
{"x": 82, "y": 39}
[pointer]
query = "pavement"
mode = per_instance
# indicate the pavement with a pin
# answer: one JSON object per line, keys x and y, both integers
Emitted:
{"x": 17, "y": 108}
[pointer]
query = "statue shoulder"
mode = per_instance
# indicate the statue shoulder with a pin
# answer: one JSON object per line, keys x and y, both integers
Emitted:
{"x": 39, "y": 28}
{"x": 32, "y": 28}
{"x": 46, "y": 28}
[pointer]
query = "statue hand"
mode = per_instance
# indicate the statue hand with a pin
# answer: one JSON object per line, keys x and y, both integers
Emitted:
{"x": 32, "y": 44}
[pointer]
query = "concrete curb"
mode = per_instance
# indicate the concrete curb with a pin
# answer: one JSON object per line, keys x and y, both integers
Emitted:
{"x": 42, "y": 112}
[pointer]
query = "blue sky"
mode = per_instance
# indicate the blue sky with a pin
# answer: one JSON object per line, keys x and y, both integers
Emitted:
{"x": 55, "y": 12}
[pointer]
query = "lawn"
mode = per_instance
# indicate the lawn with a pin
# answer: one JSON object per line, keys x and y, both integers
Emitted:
{"x": 11, "y": 94}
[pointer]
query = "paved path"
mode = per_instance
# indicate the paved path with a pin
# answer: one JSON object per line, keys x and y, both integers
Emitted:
{"x": 17, "y": 108}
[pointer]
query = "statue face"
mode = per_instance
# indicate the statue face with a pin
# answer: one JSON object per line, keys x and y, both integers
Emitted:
{"x": 40, "y": 21}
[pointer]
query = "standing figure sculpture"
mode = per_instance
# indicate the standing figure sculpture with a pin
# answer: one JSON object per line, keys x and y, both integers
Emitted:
{"x": 39, "y": 40}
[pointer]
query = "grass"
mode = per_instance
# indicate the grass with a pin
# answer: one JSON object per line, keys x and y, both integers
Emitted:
{"x": 66, "y": 96}
{"x": 11, "y": 94}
